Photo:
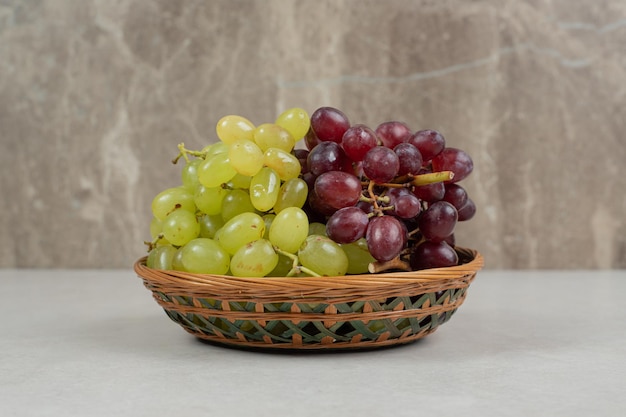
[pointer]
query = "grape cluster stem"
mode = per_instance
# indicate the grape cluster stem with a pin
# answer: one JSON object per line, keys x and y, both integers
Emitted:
{"x": 296, "y": 267}
{"x": 184, "y": 152}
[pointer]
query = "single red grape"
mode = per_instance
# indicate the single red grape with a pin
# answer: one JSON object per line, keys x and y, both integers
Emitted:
{"x": 329, "y": 124}
{"x": 429, "y": 142}
{"x": 381, "y": 164}
{"x": 393, "y": 133}
{"x": 347, "y": 225}
{"x": 433, "y": 255}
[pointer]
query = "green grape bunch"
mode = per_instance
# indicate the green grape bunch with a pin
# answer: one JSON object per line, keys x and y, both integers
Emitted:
{"x": 350, "y": 200}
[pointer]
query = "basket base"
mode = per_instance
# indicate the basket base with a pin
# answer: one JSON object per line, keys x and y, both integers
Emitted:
{"x": 309, "y": 349}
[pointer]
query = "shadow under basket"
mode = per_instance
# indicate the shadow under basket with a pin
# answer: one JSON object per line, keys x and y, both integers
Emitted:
{"x": 308, "y": 313}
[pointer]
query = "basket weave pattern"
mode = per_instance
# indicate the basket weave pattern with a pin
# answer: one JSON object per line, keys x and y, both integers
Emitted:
{"x": 353, "y": 311}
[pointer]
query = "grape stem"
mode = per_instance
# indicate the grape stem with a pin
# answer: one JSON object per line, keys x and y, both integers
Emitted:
{"x": 419, "y": 180}
{"x": 183, "y": 152}
{"x": 395, "y": 263}
{"x": 152, "y": 244}
{"x": 296, "y": 268}
{"x": 432, "y": 178}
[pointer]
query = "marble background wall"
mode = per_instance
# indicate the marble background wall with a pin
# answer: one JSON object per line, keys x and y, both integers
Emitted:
{"x": 95, "y": 95}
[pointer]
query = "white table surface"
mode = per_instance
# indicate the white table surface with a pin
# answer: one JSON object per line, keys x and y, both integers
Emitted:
{"x": 94, "y": 343}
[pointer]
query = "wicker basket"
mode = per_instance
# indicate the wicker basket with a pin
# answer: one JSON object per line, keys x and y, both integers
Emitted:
{"x": 353, "y": 311}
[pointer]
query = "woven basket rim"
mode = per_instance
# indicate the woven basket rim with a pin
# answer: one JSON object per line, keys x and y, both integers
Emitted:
{"x": 228, "y": 286}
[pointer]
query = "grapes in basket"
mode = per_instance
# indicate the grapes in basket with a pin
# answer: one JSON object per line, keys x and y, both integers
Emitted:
{"x": 312, "y": 196}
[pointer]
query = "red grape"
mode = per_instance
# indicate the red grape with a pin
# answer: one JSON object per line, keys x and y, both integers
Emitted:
{"x": 410, "y": 159}
{"x": 430, "y": 143}
{"x": 386, "y": 237}
{"x": 467, "y": 211}
{"x": 455, "y": 160}
{"x": 381, "y": 164}
{"x": 406, "y": 206}
{"x": 327, "y": 156}
{"x": 310, "y": 139}
{"x": 357, "y": 140}
{"x": 455, "y": 195}
{"x": 329, "y": 124}
{"x": 347, "y": 225}
{"x": 438, "y": 221}
{"x": 393, "y": 133}
{"x": 302, "y": 155}
{"x": 338, "y": 189}
{"x": 433, "y": 255}
{"x": 431, "y": 192}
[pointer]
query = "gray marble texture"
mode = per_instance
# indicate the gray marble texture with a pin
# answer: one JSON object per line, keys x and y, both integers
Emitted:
{"x": 95, "y": 95}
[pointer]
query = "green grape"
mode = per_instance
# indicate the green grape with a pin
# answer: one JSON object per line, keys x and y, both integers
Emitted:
{"x": 177, "y": 263}
{"x": 240, "y": 230}
{"x": 285, "y": 164}
{"x": 293, "y": 193}
{"x": 214, "y": 149}
{"x": 296, "y": 121}
{"x": 264, "y": 188}
{"x": 232, "y": 128}
{"x": 171, "y": 199}
{"x": 268, "y": 219}
{"x": 209, "y": 199}
{"x": 209, "y": 225}
{"x": 246, "y": 157}
{"x": 236, "y": 202}
{"x": 282, "y": 268}
{"x": 161, "y": 257}
{"x": 269, "y": 135}
{"x": 180, "y": 226}
{"x": 156, "y": 227}
{"x": 317, "y": 228}
{"x": 323, "y": 256}
{"x": 239, "y": 181}
{"x": 216, "y": 170}
{"x": 289, "y": 229}
{"x": 255, "y": 259}
{"x": 358, "y": 255}
{"x": 204, "y": 256}
{"x": 189, "y": 175}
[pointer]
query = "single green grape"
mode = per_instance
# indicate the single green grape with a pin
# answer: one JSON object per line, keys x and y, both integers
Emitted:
{"x": 240, "y": 230}
{"x": 293, "y": 193}
{"x": 214, "y": 149}
{"x": 204, "y": 256}
{"x": 296, "y": 121}
{"x": 254, "y": 259}
{"x": 180, "y": 226}
{"x": 236, "y": 202}
{"x": 283, "y": 163}
{"x": 156, "y": 227}
{"x": 161, "y": 257}
{"x": 239, "y": 181}
{"x": 246, "y": 157}
{"x": 177, "y": 263}
{"x": 282, "y": 268}
{"x": 216, "y": 170}
{"x": 171, "y": 199}
{"x": 358, "y": 255}
{"x": 268, "y": 219}
{"x": 264, "y": 188}
{"x": 317, "y": 228}
{"x": 209, "y": 199}
{"x": 269, "y": 135}
{"x": 322, "y": 255}
{"x": 231, "y": 128}
{"x": 289, "y": 229}
{"x": 209, "y": 225}
{"x": 189, "y": 175}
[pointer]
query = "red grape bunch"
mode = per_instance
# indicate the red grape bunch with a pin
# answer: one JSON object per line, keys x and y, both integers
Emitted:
{"x": 395, "y": 189}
